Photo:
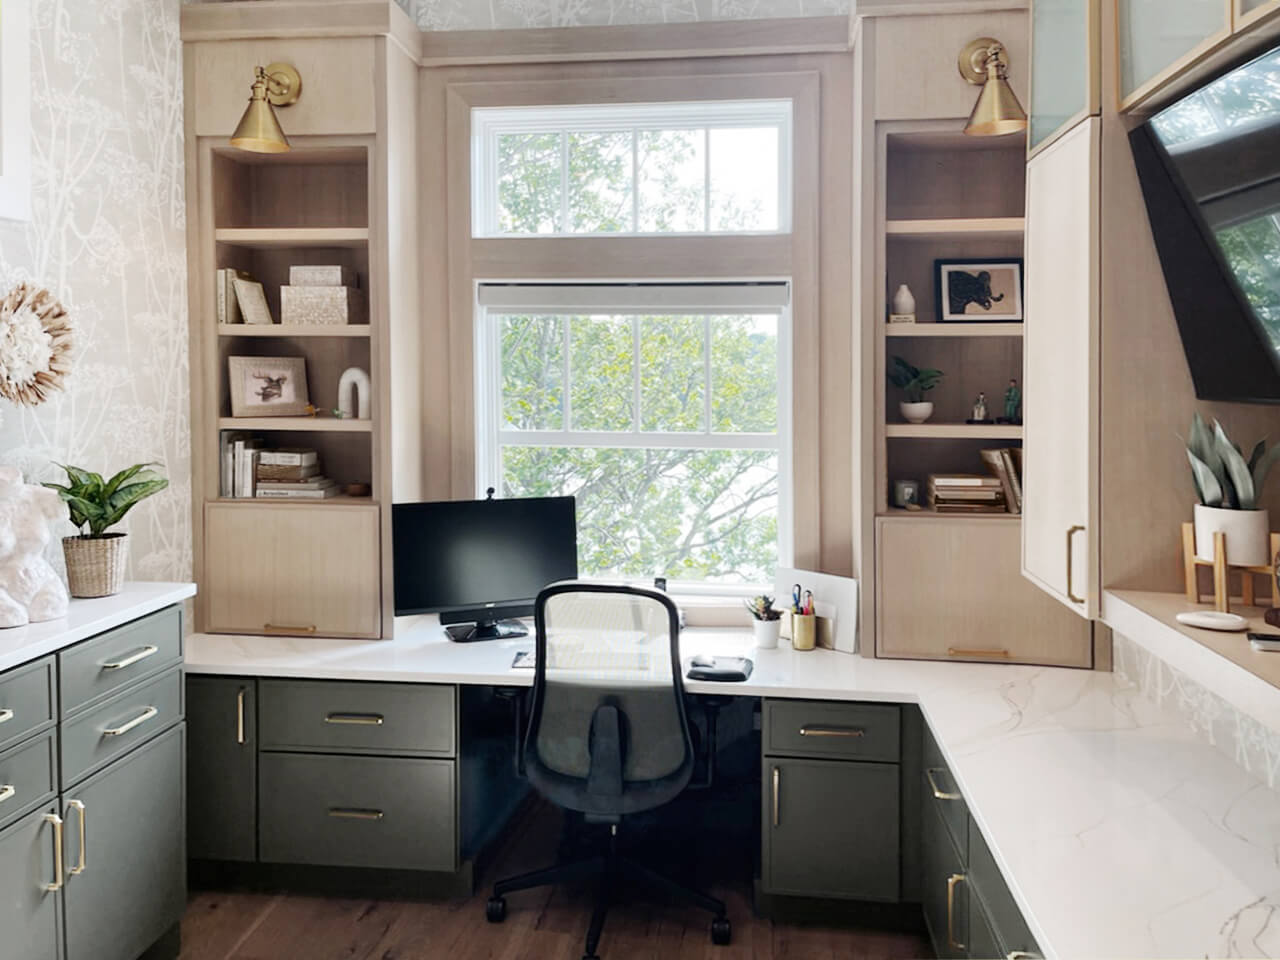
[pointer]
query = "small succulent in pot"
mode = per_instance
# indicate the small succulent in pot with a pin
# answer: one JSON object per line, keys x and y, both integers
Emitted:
{"x": 914, "y": 383}
{"x": 761, "y": 608}
{"x": 1229, "y": 488}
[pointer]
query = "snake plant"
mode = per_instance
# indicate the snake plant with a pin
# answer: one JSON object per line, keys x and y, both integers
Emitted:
{"x": 1222, "y": 476}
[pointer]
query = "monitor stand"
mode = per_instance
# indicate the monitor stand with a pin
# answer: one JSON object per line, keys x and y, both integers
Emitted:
{"x": 487, "y": 630}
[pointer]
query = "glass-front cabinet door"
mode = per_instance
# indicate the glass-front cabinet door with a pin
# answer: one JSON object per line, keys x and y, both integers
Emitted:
{"x": 1249, "y": 11}
{"x": 1160, "y": 37}
{"x": 1064, "y": 67}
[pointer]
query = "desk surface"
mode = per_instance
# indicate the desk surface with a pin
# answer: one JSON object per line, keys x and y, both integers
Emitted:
{"x": 1119, "y": 832}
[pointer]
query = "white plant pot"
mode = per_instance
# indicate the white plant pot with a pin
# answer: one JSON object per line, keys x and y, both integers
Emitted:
{"x": 916, "y": 412}
{"x": 766, "y": 632}
{"x": 1248, "y": 535}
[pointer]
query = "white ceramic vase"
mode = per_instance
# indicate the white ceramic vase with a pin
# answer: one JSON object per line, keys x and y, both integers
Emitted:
{"x": 766, "y": 632}
{"x": 916, "y": 412}
{"x": 903, "y": 301}
{"x": 1248, "y": 535}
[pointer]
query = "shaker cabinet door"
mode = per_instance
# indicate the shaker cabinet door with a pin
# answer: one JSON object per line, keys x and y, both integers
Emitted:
{"x": 222, "y": 768}
{"x": 30, "y": 928}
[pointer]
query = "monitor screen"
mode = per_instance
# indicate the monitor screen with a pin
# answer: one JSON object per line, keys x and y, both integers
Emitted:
{"x": 469, "y": 555}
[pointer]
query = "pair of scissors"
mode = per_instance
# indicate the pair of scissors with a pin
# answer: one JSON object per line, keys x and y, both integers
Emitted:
{"x": 795, "y": 598}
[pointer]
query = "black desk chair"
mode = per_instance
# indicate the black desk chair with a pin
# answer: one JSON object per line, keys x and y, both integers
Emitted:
{"x": 608, "y": 733}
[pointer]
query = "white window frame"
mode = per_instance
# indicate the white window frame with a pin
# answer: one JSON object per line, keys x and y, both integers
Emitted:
{"x": 621, "y": 298}
{"x": 489, "y": 123}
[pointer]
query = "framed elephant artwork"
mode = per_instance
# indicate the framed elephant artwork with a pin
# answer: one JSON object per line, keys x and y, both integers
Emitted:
{"x": 978, "y": 289}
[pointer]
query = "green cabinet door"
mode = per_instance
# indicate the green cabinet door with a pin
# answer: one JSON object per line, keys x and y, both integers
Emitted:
{"x": 29, "y": 923}
{"x": 133, "y": 848}
{"x": 982, "y": 941}
{"x": 945, "y": 889}
{"x": 222, "y": 768}
{"x": 831, "y": 829}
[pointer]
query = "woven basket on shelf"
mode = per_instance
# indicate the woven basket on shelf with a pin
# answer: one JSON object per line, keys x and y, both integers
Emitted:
{"x": 95, "y": 565}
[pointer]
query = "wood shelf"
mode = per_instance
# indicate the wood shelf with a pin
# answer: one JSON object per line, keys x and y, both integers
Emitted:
{"x": 317, "y": 424}
{"x": 341, "y": 500}
{"x": 941, "y": 229}
{"x": 954, "y": 431}
{"x": 294, "y": 330}
{"x": 267, "y": 238}
{"x": 953, "y": 329}
{"x": 928, "y": 514}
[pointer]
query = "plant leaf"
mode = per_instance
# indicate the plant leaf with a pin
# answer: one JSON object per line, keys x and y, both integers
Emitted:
{"x": 123, "y": 500}
{"x": 1200, "y": 442}
{"x": 1206, "y": 483}
{"x": 1237, "y": 469}
{"x": 1258, "y": 450}
{"x": 128, "y": 473}
{"x": 1263, "y": 467}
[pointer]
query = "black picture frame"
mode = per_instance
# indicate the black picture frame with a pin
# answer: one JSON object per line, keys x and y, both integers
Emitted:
{"x": 942, "y": 283}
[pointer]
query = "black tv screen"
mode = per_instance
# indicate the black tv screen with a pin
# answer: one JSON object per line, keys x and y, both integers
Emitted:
{"x": 1210, "y": 171}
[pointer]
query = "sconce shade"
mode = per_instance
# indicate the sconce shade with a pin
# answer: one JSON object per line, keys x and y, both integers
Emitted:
{"x": 997, "y": 111}
{"x": 259, "y": 130}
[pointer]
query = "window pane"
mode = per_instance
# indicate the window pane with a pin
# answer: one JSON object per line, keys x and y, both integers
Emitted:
{"x": 600, "y": 183}
{"x": 744, "y": 178}
{"x": 671, "y": 175}
{"x": 744, "y": 374}
{"x": 532, "y": 373}
{"x": 672, "y": 374}
{"x": 601, "y": 376}
{"x": 529, "y": 183}
{"x": 683, "y": 514}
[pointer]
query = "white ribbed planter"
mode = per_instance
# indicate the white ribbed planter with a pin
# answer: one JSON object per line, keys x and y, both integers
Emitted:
{"x": 1248, "y": 535}
{"x": 916, "y": 412}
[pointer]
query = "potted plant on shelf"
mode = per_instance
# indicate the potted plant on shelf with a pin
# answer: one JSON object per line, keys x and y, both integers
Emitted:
{"x": 766, "y": 621}
{"x": 914, "y": 384}
{"x": 95, "y": 557}
{"x": 1229, "y": 488}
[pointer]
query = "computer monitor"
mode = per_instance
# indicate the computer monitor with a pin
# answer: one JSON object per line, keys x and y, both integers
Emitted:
{"x": 481, "y": 561}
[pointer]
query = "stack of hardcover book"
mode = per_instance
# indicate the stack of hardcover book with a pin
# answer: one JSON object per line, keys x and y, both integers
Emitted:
{"x": 292, "y": 474}
{"x": 1005, "y": 465}
{"x": 965, "y": 493}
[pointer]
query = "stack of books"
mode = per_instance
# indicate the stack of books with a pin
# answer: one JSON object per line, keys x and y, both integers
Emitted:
{"x": 291, "y": 474}
{"x": 239, "y": 453}
{"x": 965, "y": 493}
{"x": 240, "y": 298}
{"x": 1005, "y": 465}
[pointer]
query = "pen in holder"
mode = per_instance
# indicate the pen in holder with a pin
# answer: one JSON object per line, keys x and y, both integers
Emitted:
{"x": 804, "y": 631}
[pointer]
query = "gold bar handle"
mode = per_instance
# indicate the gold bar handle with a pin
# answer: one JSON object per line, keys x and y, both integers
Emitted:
{"x": 992, "y": 654}
{"x": 832, "y": 732}
{"x": 240, "y": 716}
{"x": 287, "y": 630}
{"x": 6, "y": 715}
{"x": 777, "y": 788}
{"x": 1021, "y": 955}
{"x": 80, "y": 864}
{"x": 140, "y": 654}
{"x": 58, "y": 877}
{"x": 357, "y": 719}
{"x": 354, "y": 813}
{"x": 1071, "y": 594}
{"x": 124, "y": 728}
{"x": 952, "y": 881}
{"x": 7, "y": 791}
{"x": 938, "y": 792}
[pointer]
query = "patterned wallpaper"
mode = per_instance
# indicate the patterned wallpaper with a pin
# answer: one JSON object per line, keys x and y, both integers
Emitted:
{"x": 513, "y": 14}
{"x": 107, "y": 237}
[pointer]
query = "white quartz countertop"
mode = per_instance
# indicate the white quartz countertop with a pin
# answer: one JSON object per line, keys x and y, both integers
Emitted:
{"x": 86, "y": 618}
{"x": 1119, "y": 833}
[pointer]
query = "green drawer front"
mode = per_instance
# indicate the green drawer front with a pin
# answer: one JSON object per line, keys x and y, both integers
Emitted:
{"x": 853, "y": 731}
{"x": 943, "y": 796}
{"x": 376, "y": 718}
{"x": 357, "y": 811}
{"x": 94, "y": 670}
{"x": 97, "y": 736}
{"x": 28, "y": 776}
{"x": 26, "y": 701}
{"x": 1001, "y": 909}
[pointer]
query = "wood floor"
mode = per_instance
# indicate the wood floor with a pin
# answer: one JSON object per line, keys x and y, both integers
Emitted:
{"x": 545, "y": 924}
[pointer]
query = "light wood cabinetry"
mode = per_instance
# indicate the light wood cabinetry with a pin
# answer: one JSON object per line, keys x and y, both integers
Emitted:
{"x": 1248, "y": 12}
{"x": 1160, "y": 38}
{"x": 1065, "y": 70}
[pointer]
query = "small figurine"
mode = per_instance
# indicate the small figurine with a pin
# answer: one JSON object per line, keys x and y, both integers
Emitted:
{"x": 1012, "y": 404}
{"x": 980, "y": 409}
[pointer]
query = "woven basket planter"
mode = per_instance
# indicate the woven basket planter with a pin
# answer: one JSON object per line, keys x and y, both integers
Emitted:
{"x": 95, "y": 565}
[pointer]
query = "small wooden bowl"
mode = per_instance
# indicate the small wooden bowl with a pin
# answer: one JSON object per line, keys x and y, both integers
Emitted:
{"x": 357, "y": 490}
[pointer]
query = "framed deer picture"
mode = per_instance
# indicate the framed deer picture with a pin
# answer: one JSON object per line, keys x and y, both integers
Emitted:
{"x": 978, "y": 289}
{"x": 268, "y": 386}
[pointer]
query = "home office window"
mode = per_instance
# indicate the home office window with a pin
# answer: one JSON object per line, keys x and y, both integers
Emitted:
{"x": 664, "y": 409}
{"x": 632, "y": 169}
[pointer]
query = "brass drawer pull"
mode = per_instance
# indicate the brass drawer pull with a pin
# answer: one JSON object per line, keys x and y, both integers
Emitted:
{"x": 58, "y": 878}
{"x": 357, "y": 719}
{"x": 240, "y": 716}
{"x": 998, "y": 654}
{"x": 7, "y": 792}
{"x": 938, "y": 792}
{"x": 354, "y": 813}
{"x": 952, "y": 882}
{"x": 140, "y": 654}
{"x": 832, "y": 732}
{"x": 6, "y": 715}
{"x": 777, "y": 784}
{"x": 1071, "y": 594}
{"x": 124, "y": 728}
{"x": 286, "y": 629}
{"x": 1021, "y": 955}
{"x": 80, "y": 864}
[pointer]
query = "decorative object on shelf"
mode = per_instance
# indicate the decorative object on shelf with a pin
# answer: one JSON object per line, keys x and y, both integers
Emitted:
{"x": 30, "y": 589}
{"x": 984, "y": 62}
{"x": 326, "y": 306}
{"x": 978, "y": 289}
{"x": 268, "y": 386}
{"x": 354, "y": 380}
{"x": 1229, "y": 489}
{"x": 252, "y": 300}
{"x": 766, "y": 621}
{"x": 1191, "y": 565}
{"x": 96, "y": 559}
{"x": 1213, "y": 620}
{"x": 904, "y": 305}
{"x": 276, "y": 85}
{"x": 979, "y": 410}
{"x": 906, "y": 494}
{"x": 1012, "y": 405}
{"x": 321, "y": 275}
{"x": 358, "y": 490}
{"x": 35, "y": 345}
{"x": 914, "y": 383}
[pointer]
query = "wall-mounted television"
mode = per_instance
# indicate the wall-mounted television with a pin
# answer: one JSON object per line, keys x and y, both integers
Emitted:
{"x": 1209, "y": 165}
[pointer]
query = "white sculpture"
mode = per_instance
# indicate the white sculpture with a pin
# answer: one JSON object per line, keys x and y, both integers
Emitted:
{"x": 30, "y": 589}
{"x": 353, "y": 378}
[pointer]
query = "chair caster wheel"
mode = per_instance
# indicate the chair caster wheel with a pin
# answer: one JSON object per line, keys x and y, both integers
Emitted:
{"x": 495, "y": 909}
{"x": 721, "y": 932}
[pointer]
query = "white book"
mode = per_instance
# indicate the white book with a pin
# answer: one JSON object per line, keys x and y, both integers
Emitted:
{"x": 288, "y": 458}
{"x": 253, "y": 301}
{"x": 322, "y": 494}
{"x": 315, "y": 483}
{"x": 226, "y": 465}
{"x": 220, "y": 291}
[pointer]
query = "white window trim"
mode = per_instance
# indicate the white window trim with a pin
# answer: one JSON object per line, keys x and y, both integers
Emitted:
{"x": 488, "y": 123}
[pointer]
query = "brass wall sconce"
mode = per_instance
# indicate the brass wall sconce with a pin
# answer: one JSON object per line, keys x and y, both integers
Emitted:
{"x": 984, "y": 63}
{"x": 258, "y": 131}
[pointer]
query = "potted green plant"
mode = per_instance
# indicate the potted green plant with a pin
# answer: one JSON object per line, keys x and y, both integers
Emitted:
{"x": 765, "y": 620}
{"x": 96, "y": 557}
{"x": 914, "y": 384}
{"x": 1229, "y": 487}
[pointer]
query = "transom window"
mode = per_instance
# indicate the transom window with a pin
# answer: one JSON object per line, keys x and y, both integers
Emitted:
{"x": 632, "y": 169}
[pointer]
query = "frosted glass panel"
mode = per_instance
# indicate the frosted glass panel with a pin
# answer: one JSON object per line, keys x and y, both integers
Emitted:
{"x": 1248, "y": 6}
{"x": 1059, "y": 64}
{"x": 1155, "y": 34}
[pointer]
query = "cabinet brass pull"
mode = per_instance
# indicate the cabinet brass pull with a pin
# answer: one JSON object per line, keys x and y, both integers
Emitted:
{"x": 938, "y": 792}
{"x": 1021, "y": 955}
{"x": 1071, "y": 594}
{"x": 952, "y": 881}
{"x": 240, "y": 716}
{"x": 992, "y": 654}
{"x": 353, "y": 813}
{"x": 124, "y": 728}
{"x": 56, "y": 820}
{"x": 80, "y": 864}
{"x": 777, "y": 785}
{"x": 140, "y": 654}
{"x": 6, "y": 715}
{"x": 359, "y": 719}
{"x": 287, "y": 629}
{"x": 7, "y": 791}
{"x": 832, "y": 732}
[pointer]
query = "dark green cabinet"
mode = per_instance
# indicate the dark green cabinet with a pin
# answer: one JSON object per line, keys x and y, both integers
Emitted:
{"x": 945, "y": 892}
{"x": 30, "y": 925}
{"x": 222, "y": 770}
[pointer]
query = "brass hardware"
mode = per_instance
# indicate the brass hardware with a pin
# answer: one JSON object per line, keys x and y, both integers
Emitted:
{"x": 777, "y": 784}
{"x": 124, "y": 728}
{"x": 994, "y": 654}
{"x": 352, "y": 813}
{"x": 7, "y": 792}
{"x": 6, "y": 715}
{"x": 279, "y": 630}
{"x": 357, "y": 719}
{"x": 938, "y": 792}
{"x": 276, "y": 85}
{"x": 240, "y": 716}
{"x": 79, "y": 808}
{"x": 832, "y": 732}
{"x": 129, "y": 661}
{"x": 952, "y": 881}
{"x": 1071, "y": 595}
{"x": 58, "y": 878}
{"x": 1021, "y": 955}
{"x": 984, "y": 63}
